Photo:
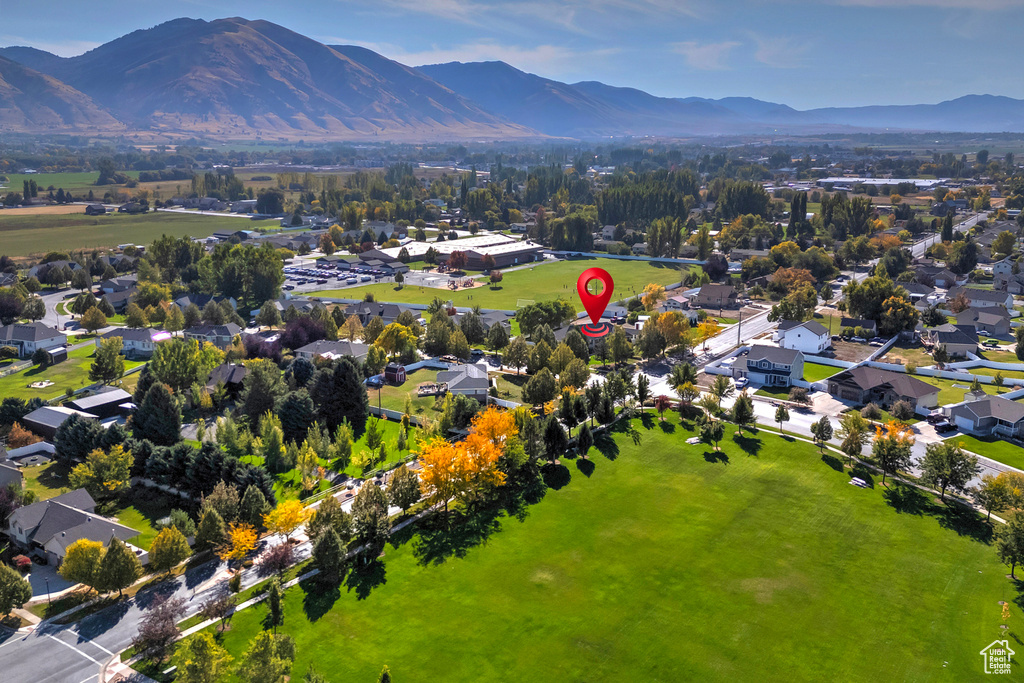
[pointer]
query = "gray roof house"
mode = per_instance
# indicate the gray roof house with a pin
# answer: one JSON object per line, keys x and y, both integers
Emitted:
{"x": 45, "y": 421}
{"x": 993, "y": 319}
{"x": 333, "y": 349}
{"x": 769, "y": 365}
{"x": 469, "y": 380}
{"x": 367, "y": 310}
{"x": 218, "y": 335}
{"x": 10, "y": 474}
{"x": 103, "y": 404}
{"x": 958, "y": 340}
{"x": 990, "y": 416}
{"x": 864, "y": 384}
{"x": 50, "y": 526}
{"x": 983, "y": 298}
{"x": 136, "y": 342}
{"x": 29, "y": 337}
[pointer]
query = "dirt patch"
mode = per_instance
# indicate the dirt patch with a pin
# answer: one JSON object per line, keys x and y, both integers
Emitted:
{"x": 851, "y": 351}
{"x": 55, "y": 210}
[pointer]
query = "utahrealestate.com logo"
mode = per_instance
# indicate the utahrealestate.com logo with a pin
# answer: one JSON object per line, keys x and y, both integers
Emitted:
{"x": 997, "y": 657}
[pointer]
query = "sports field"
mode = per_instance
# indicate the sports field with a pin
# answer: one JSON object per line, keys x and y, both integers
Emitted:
{"x": 23, "y": 235}
{"x": 669, "y": 562}
{"x": 543, "y": 282}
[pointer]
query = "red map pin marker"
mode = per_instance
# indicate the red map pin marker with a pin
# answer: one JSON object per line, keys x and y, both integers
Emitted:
{"x": 595, "y": 303}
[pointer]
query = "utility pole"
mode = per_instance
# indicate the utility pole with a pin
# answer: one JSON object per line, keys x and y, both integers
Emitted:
{"x": 739, "y": 327}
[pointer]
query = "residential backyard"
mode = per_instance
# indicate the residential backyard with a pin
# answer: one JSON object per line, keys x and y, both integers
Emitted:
{"x": 908, "y": 355}
{"x": 70, "y": 374}
{"x": 647, "y": 562}
{"x": 542, "y": 282}
{"x": 1004, "y": 354}
{"x": 952, "y": 391}
{"x": 815, "y": 372}
{"x": 393, "y": 397}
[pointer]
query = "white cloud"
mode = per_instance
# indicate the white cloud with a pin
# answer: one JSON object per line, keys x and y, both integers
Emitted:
{"x": 780, "y": 52}
{"x": 707, "y": 56}
{"x": 64, "y": 48}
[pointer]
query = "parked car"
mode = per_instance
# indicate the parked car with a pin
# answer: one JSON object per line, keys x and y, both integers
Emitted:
{"x": 880, "y": 340}
{"x": 985, "y": 332}
{"x": 858, "y": 340}
{"x": 991, "y": 343}
{"x": 365, "y": 278}
{"x": 935, "y": 418}
{"x": 944, "y": 427}
{"x": 741, "y": 382}
{"x": 375, "y": 381}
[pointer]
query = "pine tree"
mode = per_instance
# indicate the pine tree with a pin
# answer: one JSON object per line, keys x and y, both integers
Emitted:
{"x": 274, "y": 596}
{"x": 328, "y": 554}
{"x": 108, "y": 363}
{"x": 212, "y": 531}
{"x": 158, "y": 417}
{"x": 253, "y": 507}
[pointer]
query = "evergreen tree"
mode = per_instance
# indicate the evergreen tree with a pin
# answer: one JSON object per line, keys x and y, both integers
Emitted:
{"x": 328, "y": 554}
{"x": 108, "y": 363}
{"x": 158, "y": 418}
{"x": 212, "y": 531}
{"x": 339, "y": 394}
{"x": 253, "y": 507}
{"x": 584, "y": 440}
{"x": 555, "y": 440}
{"x": 274, "y": 596}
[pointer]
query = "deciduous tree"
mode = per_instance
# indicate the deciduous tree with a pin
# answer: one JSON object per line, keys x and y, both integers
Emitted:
{"x": 119, "y": 568}
{"x": 947, "y": 465}
{"x": 288, "y": 516}
{"x": 168, "y": 550}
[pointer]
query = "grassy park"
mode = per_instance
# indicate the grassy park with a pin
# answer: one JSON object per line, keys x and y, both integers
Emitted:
{"x": 22, "y": 235}
{"x": 665, "y": 561}
{"x": 543, "y": 282}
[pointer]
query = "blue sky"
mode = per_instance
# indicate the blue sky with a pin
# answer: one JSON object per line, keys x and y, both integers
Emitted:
{"x": 805, "y": 53}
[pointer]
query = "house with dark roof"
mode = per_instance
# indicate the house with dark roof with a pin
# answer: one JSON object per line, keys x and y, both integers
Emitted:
{"x": 983, "y": 298}
{"x": 869, "y": 326}
{"x": 468, "y": 379}
{"x": 119, "y": 284}
{"x": 769, "y": 366}
{"x": 989, "y": 416}
{"x": 864, "y": 384}
{"x": 806, "y": 337}
{"x": 994, "y": 320}
{"x": 201, "y": 300}
{"x": 936, "y": 276}
{"x": 715, "y": 296}
{"x": 10, "y": 474}
{"x": 333, "y": 349}
{"x": 958, "y": 340}
{"x": 1011, "y": 283}
{"x": 368, "y": 310}
{"x": 119, "y": 300}
{"x": 917, "y": 291}
{"x": 49, "y": 527}
{"x": 28, "y": 338}
{"x": 45, "y": 421}
{"x": 220, "y": 336}
{"x": 103, "y": 404}
{"x": 231, "y": 375}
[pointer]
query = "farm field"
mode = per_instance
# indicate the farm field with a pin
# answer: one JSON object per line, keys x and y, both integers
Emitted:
{"x": 647, "y": 562}
{"x": 543, "y": 282}
{"x": 76, "y": 183}
{"x": 24, "y": 235}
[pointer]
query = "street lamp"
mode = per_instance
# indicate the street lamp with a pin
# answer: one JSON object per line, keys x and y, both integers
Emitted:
{"x": 47, "y": 579}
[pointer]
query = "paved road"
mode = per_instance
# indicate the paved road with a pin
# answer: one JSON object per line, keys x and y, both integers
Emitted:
{"x": 919, "y": 248}
{"x": 733, "y": 336}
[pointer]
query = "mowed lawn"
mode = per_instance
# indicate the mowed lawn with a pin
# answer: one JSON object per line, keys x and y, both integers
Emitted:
{"x": 815, "y": 372}
{"x": 543, "y": 282}
{"x": 72, "y": 373}
{"x": 668, "y": 562}
{"x": 955, "y": 394}
{"x": 393, "y": 397}
{"x": 991, "y": 447}
{"x": 22, "y": 235}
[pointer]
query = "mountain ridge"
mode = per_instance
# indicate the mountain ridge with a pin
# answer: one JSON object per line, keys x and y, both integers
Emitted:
{"x": 240, "y": 78}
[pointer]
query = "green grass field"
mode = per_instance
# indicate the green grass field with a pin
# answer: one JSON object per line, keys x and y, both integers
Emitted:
{"x": 77, "y": 183}
{"x": 1001, "y": 355}
{"x": 997, "y": 449}
{"x": 815, "y": 372}
{"x": 543, "y": 282}
{"x": 72, "y": 373}
{"x": 669, "y": 562}
{"x": 950, "y": 394}
{"x": 393, "y": 397}
{"x": 1007, "y": 374}
{"x": 26, "y": 235}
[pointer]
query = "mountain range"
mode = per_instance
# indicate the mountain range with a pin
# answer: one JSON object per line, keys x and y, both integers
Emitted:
{"x": 235, "y": 78}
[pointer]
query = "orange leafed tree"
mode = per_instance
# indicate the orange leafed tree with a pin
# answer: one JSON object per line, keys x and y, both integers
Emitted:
{"x": 495, "y": 425}
{"x": 240, "y": 542}
{"x": 442, "y": 469}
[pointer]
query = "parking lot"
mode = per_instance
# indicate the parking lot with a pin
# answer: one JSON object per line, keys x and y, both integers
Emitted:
{"x": 308, "y": 278}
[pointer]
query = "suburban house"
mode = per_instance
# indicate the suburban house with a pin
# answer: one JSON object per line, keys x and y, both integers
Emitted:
{"x": 220, "y": 336}
{"x": 201, "y": 300}
{"x": 715, "y": 296}
{"x": 917, "y": 291}
{"x": 983, "y": 298}
{"x": 989, "y": 416}
{"x": 935, "y": 276}
{"x": 10, "y": 474}
{"x": 958, "y": 340}
{"x": 48, "y": 527}
{"x": 864, "y": 384}
{"x": 333, "y": 349}
{"x": 28, "y": 338}
{"x": 104, "y": 403}
{"x": 468, "y": 380}
{"x": 994, "y": 320}
{"x": 119, "y": 284}
{"x": 489, "y": 319}
{"x": 137, "y": 342}
{"x": 231, "y": 375}
{"x": 1012, "y": 283}
{"x": 119, "y": 300}
{"x": 806, "y": 337}
{"x": 1004, "y": 267}
{"x": 869, "y": 326}
{"x": 39, "y": 272}
{"x": 368, "y": 310}
{"x": 45, "y": 421}
{"x": 769, "y": 365}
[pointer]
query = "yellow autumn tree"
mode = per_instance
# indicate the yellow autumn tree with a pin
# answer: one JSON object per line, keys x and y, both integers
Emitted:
{"x": 308, "y": 466}
{"x": 653, "y": 295}
{"x": 707, "y": 329}
{"x": 241, "y": 541}
{"x": 442, "y": 468}
{"x": 286, "y": 518}
{"x": 494, "y": 425}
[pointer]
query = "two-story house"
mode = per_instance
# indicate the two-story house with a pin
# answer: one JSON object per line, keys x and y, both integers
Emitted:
{"x": 769, "y": 366}
{"x": 220, "y": 336}
{"x": 806, "y": 337}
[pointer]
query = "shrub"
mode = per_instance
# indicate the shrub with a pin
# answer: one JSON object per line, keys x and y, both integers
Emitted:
{"x": 871, "y": 412}
{"x": 22, "y": 563}
{"x": 902, "y": 411}
{"x": 235, "y": 583}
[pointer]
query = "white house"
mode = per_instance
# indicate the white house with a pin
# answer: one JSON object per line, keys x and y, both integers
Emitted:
{"x": 30, "y": 337}
{"x": 983, "y": 298}
{"x": 806, "y": 337}
{"x": 1004, "y": 267}
{"x": 136, "y": 342}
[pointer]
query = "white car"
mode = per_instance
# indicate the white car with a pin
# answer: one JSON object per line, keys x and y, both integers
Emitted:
{"x": 741, "y": 382}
